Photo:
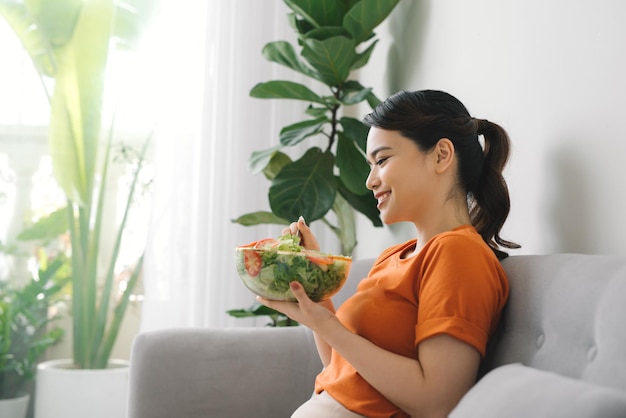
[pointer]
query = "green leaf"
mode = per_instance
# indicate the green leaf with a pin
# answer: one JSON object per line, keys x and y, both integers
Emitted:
{"x": 300, "y": 26}
{"x": 242, "y": 313}
{"x": 277, "y": 162}
{"x": 326, "y": 32}
{"x": 332, "y": 58}
{"x": 284, "y": 321}
{"x": 366, "y": 204}
{"x": 355, "y": 130}
{"x": 52, "y": 269}
{"x": 346, "y": 230}
{"x": 282, "y": 52}
{"x": 269, "y": 161}
{"x": 260, "y": 218}
{"x": 76, "y": 106}
{"x": 354, "y": 97}
{"x": 260, "y": 159}
{"x": 281, "y": 89}
{"x": 255, "y": 310}
{"x": 31, "y": 35}
{"x": 306, "y": 187}
{"x": 320, "y": 12}
{"x": 47, "y": 228}
{"x": 354, "y": 86}
{"x": 353, "y": 168}
{"x": 278, "y": 319}
{"x": 364, "y": 57}
{"x": 297, "y": 132}
{"x": 316, "y": 112}
{"x": 361, "y": 20}
{"x": 131, "y": 19}
{"x": 57, "y": 19}
{"x": 373, "y": 101}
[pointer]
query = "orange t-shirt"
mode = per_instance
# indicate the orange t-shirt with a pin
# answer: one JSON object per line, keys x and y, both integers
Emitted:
{"x": 454, "y": 286}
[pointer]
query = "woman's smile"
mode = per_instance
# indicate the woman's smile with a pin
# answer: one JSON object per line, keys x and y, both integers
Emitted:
{"x": 382, "y": 198}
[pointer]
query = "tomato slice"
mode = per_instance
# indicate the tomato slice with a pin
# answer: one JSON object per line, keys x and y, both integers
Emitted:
{"x": 252, "y": 262}
{"x": 261, "y": 243}
{"x": 266, "y": 242}
{"x": 249, "y": 245}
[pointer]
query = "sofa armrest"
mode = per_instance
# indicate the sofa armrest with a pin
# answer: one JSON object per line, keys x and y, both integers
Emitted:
{"x": 236, "y": 372}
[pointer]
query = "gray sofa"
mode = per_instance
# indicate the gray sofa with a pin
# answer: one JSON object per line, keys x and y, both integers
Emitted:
{"x": 562, "y": 353}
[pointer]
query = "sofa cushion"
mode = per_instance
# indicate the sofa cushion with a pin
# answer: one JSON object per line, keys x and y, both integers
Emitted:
{"x": 515, "y": 391}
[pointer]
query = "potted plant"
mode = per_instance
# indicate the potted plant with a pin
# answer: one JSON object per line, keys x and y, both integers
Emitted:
{"x": 69, "y": 42}
{"x": 334, "y": 38}
{"x": 25, "y": 334}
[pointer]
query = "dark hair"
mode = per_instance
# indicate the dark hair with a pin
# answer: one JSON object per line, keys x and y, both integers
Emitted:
{"x": 425, "y": 117}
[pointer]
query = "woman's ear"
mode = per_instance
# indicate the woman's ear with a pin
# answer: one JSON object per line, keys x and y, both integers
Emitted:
{"x": 444, "y": 155}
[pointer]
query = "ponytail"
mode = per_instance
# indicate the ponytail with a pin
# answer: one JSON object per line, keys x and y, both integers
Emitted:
{"x": 491, "y": 203}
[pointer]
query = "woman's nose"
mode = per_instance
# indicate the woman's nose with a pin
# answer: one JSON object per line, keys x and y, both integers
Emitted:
{"x": 372, "y": 180}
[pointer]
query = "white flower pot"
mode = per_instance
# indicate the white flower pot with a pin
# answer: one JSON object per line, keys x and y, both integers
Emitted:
{"x": 14, "y": 407}
{"x": 63, "y": 391}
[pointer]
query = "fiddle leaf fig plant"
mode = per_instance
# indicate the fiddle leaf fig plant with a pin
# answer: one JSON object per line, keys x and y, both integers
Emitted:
{"x": 69, "y": 43}
{"x": 334, "y": 38}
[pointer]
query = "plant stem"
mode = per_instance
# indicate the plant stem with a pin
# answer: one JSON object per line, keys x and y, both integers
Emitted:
{"x": 333, "y": 120}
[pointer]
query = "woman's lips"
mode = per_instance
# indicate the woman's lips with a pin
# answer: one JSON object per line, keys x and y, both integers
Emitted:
{"x": 382, "y": 198}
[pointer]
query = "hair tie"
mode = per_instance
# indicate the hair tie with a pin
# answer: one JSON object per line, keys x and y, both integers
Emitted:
{"x": 484, "y": 126}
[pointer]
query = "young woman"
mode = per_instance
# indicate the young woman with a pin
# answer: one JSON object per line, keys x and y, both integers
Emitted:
{"x": 410, "y": 340}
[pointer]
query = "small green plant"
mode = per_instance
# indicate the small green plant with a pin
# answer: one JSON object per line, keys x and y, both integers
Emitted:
{"x": 25, "y": 331}
{"x": 335, "y": 38}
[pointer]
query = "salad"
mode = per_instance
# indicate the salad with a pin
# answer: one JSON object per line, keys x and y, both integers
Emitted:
{"x": 267, "y": 267}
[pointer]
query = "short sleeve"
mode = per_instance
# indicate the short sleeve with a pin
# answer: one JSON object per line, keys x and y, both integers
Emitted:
{"x": 461, "y": 292}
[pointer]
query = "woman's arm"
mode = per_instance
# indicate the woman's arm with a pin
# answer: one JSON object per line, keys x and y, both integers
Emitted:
{"x": 323, "y": 348}
{"x": 308, "y": 240}
{"x": 428, "y": 387}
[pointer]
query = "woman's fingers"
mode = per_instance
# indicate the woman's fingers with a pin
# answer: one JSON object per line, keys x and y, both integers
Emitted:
{"x": 307, "y": 239}
{"x": 291, "y": 309}
{"x": 288, "y": 308}
{"x": 300, "y": 228}
{"x": 298, "y": 292}
{"x": 293, "y": 228}
{"x": 304, "y": 311}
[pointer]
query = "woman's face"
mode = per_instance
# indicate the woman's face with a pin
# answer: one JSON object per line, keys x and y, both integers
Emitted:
{"x": 402, "y": 177}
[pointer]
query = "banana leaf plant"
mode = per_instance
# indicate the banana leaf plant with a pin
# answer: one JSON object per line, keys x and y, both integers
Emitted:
{"x": 70, "y": 42}
{"x": 334, "y": 38}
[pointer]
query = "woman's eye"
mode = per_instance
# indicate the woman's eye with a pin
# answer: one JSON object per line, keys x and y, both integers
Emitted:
{"x": 381, "y": 161}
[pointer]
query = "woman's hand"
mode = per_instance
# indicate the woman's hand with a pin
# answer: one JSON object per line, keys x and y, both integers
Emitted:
{"x": 309, "y": 314}
{"x": 305, "y": 311}
{"x": 300, "y": 228}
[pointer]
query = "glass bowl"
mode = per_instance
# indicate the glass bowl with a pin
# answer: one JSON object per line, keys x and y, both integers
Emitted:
{"x": 268, "y": 272}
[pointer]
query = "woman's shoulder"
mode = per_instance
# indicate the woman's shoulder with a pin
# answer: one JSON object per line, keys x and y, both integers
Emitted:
{"x": 463, "y": 239}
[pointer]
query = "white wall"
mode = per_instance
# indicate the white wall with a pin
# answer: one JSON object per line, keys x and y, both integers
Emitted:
{"x": 553, "y": 73}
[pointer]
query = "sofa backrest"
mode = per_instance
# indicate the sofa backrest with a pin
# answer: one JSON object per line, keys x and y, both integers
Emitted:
{"x": 566, "y": 314}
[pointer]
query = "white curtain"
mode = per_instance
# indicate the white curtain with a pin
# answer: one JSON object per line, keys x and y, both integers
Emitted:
{"x": 202, "y": 179}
